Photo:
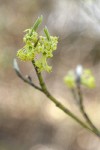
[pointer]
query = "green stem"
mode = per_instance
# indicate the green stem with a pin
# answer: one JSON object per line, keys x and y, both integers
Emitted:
{"x": 57, "y": 103}
{"x": 96, "y": 131}
{"x": 26, "y": 80}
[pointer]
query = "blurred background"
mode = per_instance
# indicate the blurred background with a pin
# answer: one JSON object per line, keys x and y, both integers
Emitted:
{"x": 28, "y": 120}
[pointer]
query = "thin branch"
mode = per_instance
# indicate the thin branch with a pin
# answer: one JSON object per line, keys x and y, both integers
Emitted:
{"x": 26, "y": 80}
{"x": 85, "y": 115}
{"x": 44, "y": 90}
{"x": 57, "y": 103}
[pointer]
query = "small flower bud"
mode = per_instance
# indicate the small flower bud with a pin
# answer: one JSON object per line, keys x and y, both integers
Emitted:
{"x": 80, "y": 76}
{"x": 70, "y": 80}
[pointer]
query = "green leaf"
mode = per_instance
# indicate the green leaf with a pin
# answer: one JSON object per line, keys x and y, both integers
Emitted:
{"x": 47, "y": 33}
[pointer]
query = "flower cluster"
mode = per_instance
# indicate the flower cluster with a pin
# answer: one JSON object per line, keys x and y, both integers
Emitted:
{"x": 45, "y": 48}
{"x": 84, "y": 78}
{"x": 27, "y": 53}
{"x": 38, "y": 48}
{"x": 88, "y": 79}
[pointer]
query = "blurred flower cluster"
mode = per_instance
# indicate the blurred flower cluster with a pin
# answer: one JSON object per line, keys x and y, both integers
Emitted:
{"x": 80, "y": 76}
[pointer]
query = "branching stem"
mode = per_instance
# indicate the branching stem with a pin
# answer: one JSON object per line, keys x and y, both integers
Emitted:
{"x": 44, "y": 90}
{"x": 57, "y": 103}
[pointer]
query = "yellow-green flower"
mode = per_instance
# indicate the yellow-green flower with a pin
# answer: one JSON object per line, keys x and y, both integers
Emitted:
{"x": 25, "y": 54}
{"x": 38, "y": 45}
{"x": 85, "y": 78}
{"x": 42, "y": 64}
{"x": 70, "y": 80}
